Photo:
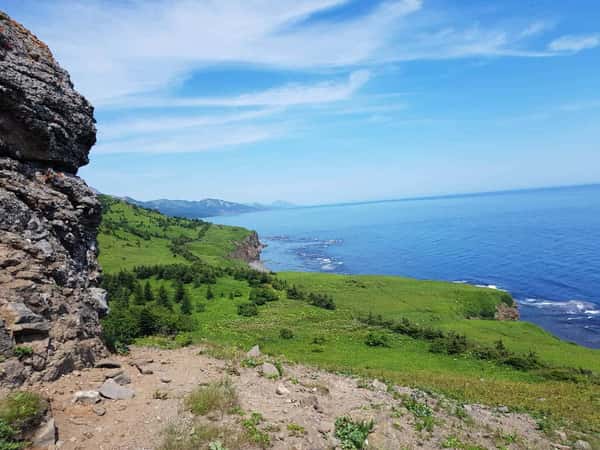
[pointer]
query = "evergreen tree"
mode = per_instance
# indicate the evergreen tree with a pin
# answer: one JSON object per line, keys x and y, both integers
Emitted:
{"x": 148, "y": 294}
{"x": 209, "y": 294}
{"x": 147, "y": 322}
{"x": 186, "y": 304}
{"x": 179, "y": 292}
{"x": 138, "y": 294}
{"x": 163, "y": 298}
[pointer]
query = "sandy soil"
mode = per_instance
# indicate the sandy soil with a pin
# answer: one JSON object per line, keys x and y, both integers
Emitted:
{"x": 313, "y": 401}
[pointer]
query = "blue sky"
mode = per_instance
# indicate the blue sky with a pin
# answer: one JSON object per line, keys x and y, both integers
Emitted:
{"x": 318, "y": 101}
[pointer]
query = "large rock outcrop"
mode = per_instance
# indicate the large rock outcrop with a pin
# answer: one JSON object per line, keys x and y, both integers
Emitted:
{"x": 50, "y": 302}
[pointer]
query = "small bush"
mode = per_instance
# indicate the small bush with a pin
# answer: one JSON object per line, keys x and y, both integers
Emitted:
{"x": 220, "y": 396}
{"x": 8, "y": 438}
{"x": 286, "y": 333}
{"x": 256, "y": 435}
{"x": 319, "y": 340}
{"x": 247, "y": 310}
{"x": 296, "y": 430}
{"x": 352, "y": 434}
{"x": 22, "y": 409}
{"x": 23, "y": 352}
{"x": 260, "y": 296}
{"x": 422, "y": 413}
{"x": 374, "y": 339}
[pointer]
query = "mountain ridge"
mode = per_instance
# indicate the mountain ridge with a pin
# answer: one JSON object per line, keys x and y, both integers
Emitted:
{"x": 207, "y": 207}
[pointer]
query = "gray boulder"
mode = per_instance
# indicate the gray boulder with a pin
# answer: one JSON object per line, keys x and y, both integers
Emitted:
{"x": 114, "y": 391}
{"x": 269, "y": 370}
{"x": 254, "y": 352}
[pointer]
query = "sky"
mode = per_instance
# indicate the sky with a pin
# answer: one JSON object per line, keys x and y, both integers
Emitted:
{"x": 321, "y": 101}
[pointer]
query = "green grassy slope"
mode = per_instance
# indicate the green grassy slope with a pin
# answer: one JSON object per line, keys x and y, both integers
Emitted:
{"x": 130, "y": 236}
{"x": 335, "y": 339}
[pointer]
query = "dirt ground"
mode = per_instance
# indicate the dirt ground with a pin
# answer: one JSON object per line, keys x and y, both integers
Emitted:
{"x": 309, "y": 399}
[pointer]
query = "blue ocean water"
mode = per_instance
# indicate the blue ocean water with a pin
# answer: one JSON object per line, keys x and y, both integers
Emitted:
{"x": 543, "y": 246}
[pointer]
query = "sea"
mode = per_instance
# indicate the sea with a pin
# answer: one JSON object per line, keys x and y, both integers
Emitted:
{"x": 542, "y": 246}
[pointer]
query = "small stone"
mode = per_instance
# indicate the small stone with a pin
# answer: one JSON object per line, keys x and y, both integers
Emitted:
{"x": 113, "y": 390}
{"x": 86, "y": 397}
{"x": 145, "y": 370}
{"x": 165, "y": 380}
{"x": 122, "y": 379}
{"x": 582, "y": 445}
{"x": 324, "y": 429}
{"x": 107, "y": 364}
{"x": 254, "y": 352}
{"x": 99, "y": 410}
{"x": 282, "y": 390}
{"x": 113, "y": 373}
{"x": 503, "y": 409}
{"x": 379, "y": 386}
{"x": 561, "y": 435}
{"x": 269, "y": 370}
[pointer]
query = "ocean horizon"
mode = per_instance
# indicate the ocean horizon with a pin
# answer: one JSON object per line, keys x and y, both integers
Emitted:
{"x": 542, "y": 245}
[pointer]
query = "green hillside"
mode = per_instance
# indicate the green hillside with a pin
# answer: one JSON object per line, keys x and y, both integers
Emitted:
{"x": 130, "y": 235}
{"x": 434, "y": 335}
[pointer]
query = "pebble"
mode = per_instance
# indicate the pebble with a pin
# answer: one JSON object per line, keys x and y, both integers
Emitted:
{"x": 165, "y": 379}
{"x": 282, "y": 390}
{"x": 99, "y": 410}
{"x": 86, "y": 397}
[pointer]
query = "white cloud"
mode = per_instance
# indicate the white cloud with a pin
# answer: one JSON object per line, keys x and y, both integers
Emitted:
{"x": 160, "y": 124}
{"x": 575, "y": 43}
{"x": 119, "y": 49}
{"x": 284, "y": 96}
{"x": 196, "y": 140}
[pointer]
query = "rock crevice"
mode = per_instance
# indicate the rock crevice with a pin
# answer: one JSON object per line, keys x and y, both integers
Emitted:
{"x": 50, "y": 300}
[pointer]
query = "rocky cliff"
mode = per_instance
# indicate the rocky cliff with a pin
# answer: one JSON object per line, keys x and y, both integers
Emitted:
{"x": 249, "y": 249}
{"x": 50, "y": 302}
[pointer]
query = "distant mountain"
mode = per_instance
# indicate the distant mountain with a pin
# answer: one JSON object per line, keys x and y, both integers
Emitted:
{"x": 190, "y": 209}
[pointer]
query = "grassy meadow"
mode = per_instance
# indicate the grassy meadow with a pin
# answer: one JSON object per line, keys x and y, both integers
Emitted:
{"x": 564, "y": 387}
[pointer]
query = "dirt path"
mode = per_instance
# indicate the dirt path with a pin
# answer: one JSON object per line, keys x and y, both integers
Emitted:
{"x": 310, "y": 400}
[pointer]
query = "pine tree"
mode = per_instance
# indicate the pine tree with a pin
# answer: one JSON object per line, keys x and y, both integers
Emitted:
{"x": 186, "y": 304}
{"x": 138, "y": 294}
{"x": 163, "y": 298}
{"x": 209, "y": 294}
{"x": 179, "y": 292}
{"x": 148, "y": 294}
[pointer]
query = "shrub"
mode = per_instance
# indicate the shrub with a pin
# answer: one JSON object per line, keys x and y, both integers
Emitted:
{"x": 220, "y": 397}
{"x": 375, "y": 339}
{"x": 321, "y": 300}
{"x": 286, "y": 333}
{"x": 352, "y": 434}
{"x": 319, "y": 340}
{"x": 247, "y": 310}
{"x": 260, "y": 296}
{"x": 8, "y": 438}
{"x": 256, "y": 435}
{"x": 21, "y": 410}
{"x": 23, "y": 351}
{"x": 296, "y": 430}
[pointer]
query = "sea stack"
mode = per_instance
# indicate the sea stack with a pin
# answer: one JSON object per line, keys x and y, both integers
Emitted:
{"x": 50, "y": 300}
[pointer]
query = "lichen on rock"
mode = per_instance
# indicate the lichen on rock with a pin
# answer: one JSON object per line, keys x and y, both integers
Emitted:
{"x": 50, "y": 302}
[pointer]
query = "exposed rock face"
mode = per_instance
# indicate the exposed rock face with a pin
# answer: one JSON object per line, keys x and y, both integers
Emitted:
{"x": 42, "y": 118}
{"x": 50, "y": 302}
{"x": 249, "y": 249}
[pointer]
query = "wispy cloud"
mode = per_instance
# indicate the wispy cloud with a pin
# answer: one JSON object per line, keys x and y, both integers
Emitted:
{"x": 284, "y": 96}
{"x": 575, "y": 43}
{"x": 191, "y": 141}
{"x": 135, "y": 54}
{"x": 115, "y": 50}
